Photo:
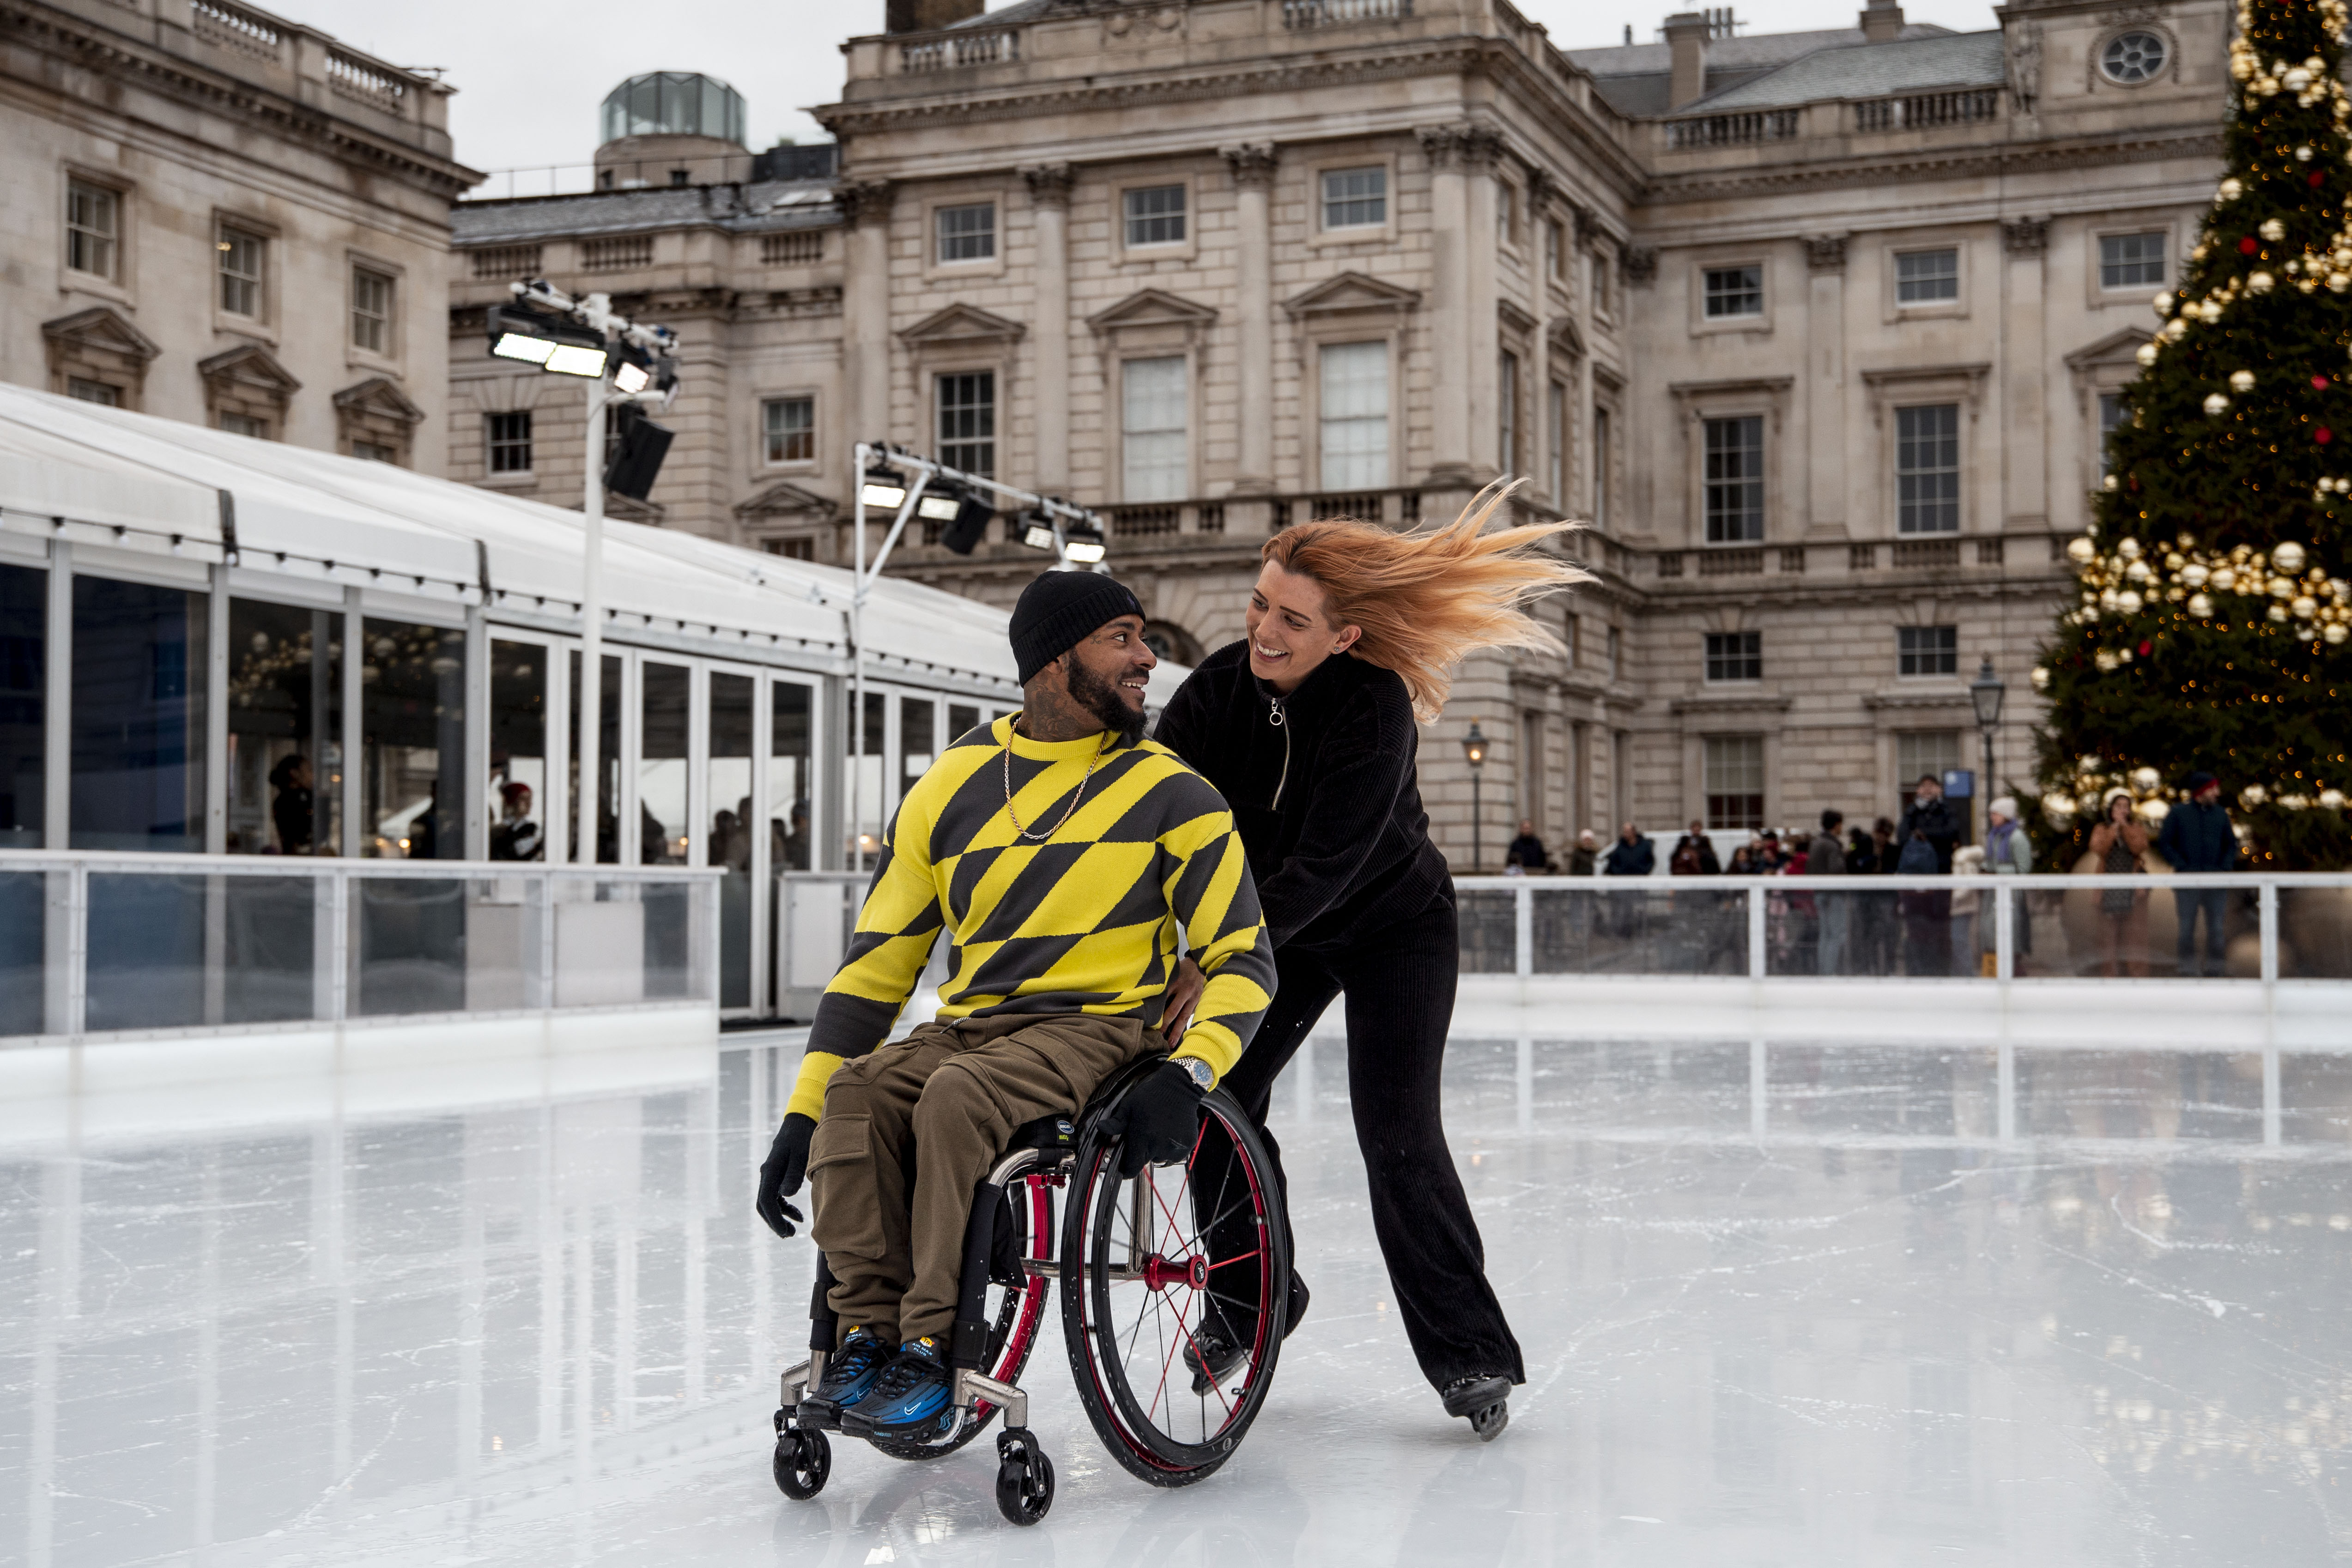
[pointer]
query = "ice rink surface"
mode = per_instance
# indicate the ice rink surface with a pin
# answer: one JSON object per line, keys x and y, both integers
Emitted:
{"x": 1780, "y": 1305}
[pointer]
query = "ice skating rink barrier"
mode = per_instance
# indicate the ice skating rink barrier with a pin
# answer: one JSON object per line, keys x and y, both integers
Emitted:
{"x": 152, "y": 984}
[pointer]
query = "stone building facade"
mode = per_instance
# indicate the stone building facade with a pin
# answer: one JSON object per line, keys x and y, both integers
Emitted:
{"x": 1816, "y": 331}
{"x": 213, "y": 214}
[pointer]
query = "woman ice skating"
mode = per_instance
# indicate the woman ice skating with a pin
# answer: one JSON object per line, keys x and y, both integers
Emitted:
{"x": 1306, "y": 726}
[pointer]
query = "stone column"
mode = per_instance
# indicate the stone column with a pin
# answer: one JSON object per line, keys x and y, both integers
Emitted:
{"x": 1541, "y": 191}
{"x": 1479, "y": 150}
{"x": 2025, "y": 446}
{"x": 1049, "y": 201}
{"x": 1253, "y": 165}
{"x": 1825, "y": 406}
{"x": 1589, "y": 238}
{"x": 1449, "y": 318}
{"x": 866, "y": 310}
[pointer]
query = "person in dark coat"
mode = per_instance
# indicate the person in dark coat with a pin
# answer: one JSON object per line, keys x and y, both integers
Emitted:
{"x": 1307, "y": 728}
{"x": 1585, "y": 856}
{"x": 1633, "y": 854}
{"x": 2198, "y": 837}
{"x": 1527, "y": 850}
{"x": 1930, "y": 817}
{"x": 1694, "y": 854}
{"x": 294, "y": 807}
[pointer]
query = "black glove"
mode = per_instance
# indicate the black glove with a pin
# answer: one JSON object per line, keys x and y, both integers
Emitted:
{"x": 1157, "y": 1122}
{"x": 781, "y": 1174}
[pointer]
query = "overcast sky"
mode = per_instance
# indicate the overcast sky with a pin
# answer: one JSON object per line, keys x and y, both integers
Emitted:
{"x": 528, "y": 90}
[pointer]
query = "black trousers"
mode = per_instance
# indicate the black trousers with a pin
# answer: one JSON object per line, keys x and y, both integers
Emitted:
{"x": 1400, "y": 983}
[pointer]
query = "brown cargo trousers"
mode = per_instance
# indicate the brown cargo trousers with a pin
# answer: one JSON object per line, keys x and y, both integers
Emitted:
{"x": 934, "y": 1111}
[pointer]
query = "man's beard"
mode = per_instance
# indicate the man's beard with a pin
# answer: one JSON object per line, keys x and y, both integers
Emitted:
{"x": 1106, "y": 702}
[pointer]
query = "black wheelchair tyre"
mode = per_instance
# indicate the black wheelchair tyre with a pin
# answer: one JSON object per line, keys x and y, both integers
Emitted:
{"x": 803, "y": 1464}
{"x": 1127, "y": 1398}
{"x": 1024, "y": 1490}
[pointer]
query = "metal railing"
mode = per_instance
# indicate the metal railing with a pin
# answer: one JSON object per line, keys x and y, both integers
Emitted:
{"x": 2274, "y": 926}
{"x": 1732, "y": 130}
{"x": 96, "y": 944}
{"x": 1926, "y": 110}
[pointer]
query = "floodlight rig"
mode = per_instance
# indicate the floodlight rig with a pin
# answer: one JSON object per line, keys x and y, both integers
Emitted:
{"x": 584, "y": 337}
{"x": 940, "y": 492}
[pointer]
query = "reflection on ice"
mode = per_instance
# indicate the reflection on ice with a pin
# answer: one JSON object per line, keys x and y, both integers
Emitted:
{"x": 1781, "y": 1303}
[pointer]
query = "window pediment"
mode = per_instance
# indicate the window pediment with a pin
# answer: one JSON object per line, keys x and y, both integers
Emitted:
{"x": 1351, "y": 292}
{"x": 378, "y": 398}
{"x": 1927, "y": 383}
{"x": 248, "y": 368}
{"x": 101, "y": 328}
{"x": 1152, "y": 307}
{"x": 788, "y": 500}
{"x": 961, "y": 324}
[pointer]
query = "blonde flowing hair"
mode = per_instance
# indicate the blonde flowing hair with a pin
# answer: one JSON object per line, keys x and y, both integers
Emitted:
{"x": 1426, "y": 600}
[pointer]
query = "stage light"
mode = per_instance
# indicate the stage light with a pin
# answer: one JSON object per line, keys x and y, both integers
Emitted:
{"x": 631, "y": 379}
{"x": 577, "y": 360}
{"x": 1036, "y": 530}
{"x": 1084, "y": 543}
{"x": 883, "y": 487}
{"x": 939, "y": 504}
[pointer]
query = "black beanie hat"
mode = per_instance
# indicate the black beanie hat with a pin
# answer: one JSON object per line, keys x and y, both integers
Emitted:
{"x": 1059, "y": 608}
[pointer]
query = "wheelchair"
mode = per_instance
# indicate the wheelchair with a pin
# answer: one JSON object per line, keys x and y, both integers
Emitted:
{"x": 1138, "y": 1285}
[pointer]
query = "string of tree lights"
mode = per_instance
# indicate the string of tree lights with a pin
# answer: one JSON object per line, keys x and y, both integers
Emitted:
{"x": 2211, "y": 627}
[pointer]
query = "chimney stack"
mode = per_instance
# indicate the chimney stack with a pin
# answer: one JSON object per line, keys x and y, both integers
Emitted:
{"x": 1881, "y": 21}
{"x": 925, "y": 16}
{"x": 1687, "y": 33}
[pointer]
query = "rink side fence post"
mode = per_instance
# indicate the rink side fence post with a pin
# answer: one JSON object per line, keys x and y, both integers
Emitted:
{"x": 2004, "y": 933}
{"x": 339, "y": 959}
{"x": 1756, "y": 943}
{"x": 1523, "y": 911}
{"x": 2268, "y": 904}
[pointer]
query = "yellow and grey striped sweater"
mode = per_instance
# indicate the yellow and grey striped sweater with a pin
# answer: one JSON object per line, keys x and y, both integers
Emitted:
{"x": 1082, "y": 921}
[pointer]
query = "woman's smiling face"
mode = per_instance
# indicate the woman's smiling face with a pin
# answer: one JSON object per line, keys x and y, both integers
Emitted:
{"x": 1290, "y": 631}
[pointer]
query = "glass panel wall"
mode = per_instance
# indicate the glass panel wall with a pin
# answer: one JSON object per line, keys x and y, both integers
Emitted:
{"x": 662, "y": 826}
{"x": 962, "y": 719}
{"x": 138, "y": 760}
{"x": 24, "y": 633}
{"x": 790, "y": 755}
{"x": 917, "y": 719}
{"x": 517, "y": 750}
{"x": 728, "y": 791}
{"x": 412, "y": 741}
{"x": 285, "y": 716}
{"x": 608, "y": 764}
{"x": 866, "y": 782}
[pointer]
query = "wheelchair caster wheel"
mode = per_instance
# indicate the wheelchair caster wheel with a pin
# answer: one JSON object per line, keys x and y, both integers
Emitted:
{"x": 1024, "y": 1479}
{"x": 803, "y": 1461}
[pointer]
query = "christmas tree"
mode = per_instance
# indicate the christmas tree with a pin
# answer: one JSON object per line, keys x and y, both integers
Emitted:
{"x": 2212, "y": 624}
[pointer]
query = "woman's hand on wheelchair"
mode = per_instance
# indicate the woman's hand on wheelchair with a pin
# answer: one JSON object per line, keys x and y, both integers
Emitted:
{"x": 781, "y": 1172}
{"x": 1157, "y": 1122}
{"x": 1183, "y": 996}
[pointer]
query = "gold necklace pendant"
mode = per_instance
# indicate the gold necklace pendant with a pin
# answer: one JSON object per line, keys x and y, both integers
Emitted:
{"x": 1092, "y": 763}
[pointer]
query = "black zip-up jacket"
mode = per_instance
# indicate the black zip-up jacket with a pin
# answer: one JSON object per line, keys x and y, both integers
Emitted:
{"x": 1323, "y": 788}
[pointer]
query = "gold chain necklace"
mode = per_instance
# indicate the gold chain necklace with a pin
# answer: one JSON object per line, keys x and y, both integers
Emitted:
{"x": 1092, "y": 764}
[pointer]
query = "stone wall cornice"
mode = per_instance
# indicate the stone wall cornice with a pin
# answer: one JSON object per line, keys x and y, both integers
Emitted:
{"x": 1954, "y": 163}
{"x": 62, "y": 35}
{"x": 1492, "y": 58}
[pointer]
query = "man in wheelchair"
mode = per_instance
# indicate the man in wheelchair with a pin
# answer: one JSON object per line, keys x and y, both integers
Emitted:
{"x": 1061, "y": 852}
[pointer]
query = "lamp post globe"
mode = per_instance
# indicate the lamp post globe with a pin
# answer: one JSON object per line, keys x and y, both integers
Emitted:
{"x": 1473, "y": 749}
{"x": 1986, "y": 694}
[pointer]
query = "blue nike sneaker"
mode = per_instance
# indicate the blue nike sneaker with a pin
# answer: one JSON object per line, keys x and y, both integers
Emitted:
{"x": 910, "y": 1401}
{"x": 850, "y": 1373}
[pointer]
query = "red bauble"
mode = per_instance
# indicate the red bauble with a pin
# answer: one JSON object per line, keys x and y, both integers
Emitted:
{"x": 2144, "y": 648}
{"x": 2319, "y": 178}
{"x": 2319, "y": 384}
{"x": 2323, "y": 435}
{"x": 2247, "y": 247}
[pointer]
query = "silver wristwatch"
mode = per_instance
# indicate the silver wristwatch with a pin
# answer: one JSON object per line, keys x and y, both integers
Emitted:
{"x": 1205, "y": 1077}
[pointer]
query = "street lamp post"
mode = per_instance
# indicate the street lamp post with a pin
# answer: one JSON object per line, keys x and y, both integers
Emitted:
{"x": 1474, "y": 747}
{"x": 1986, "y": 693}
